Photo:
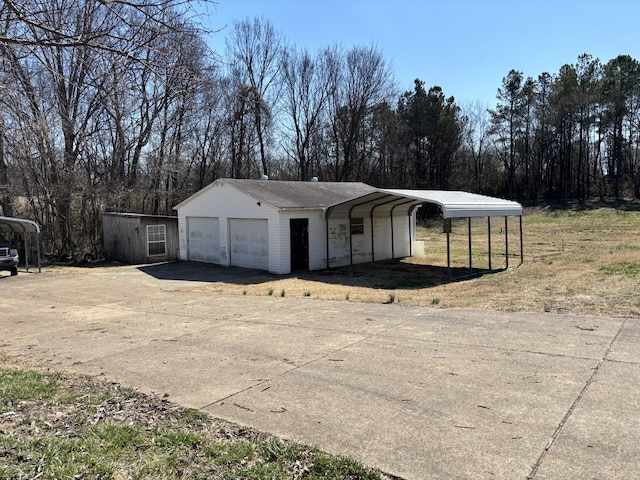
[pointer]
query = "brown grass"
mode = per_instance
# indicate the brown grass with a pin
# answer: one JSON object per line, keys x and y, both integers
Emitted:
{"x": 568, "y": 255}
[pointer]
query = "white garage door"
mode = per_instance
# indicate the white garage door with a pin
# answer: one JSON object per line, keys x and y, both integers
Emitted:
{"x": 249, "y": 243}
{"x": 204, "y": 239}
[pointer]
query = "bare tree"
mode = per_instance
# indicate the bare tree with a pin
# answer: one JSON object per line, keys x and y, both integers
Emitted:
{"x": 255, "y": 50}
{"x": 74, "y": 69}
{"x": 507, "y": 124}
{"x": 209, "y": 142}
{"x": 360, "y": 80}
{"x": 44, "y": 23}
{"x": 306, "y": 81}
{"x": 476, "y": 143}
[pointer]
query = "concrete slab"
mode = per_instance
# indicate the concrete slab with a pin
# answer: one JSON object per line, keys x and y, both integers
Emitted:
{"x": 626, "y": 347}
{"x": 221, "y": 361}
{"x": 566, "y": 335}
{"x": 417, "y": 392}
{"x": 480, "y": 408}
{"x": 600, "y": 438}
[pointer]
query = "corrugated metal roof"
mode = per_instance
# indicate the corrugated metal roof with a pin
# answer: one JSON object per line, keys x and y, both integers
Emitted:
{"x": 456, "y": 204}
{"x": 292, "y": 194}
{"x": 19, "y": 225}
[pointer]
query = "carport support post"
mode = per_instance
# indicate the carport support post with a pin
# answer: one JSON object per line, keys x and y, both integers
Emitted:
{"x": 38, "y": 251}
{"x": 26, "y": 250}
{"x": 470, "y": 264}
{"x": 326, "y": 221}
{"x": 489, "y": 239}
{"x": 506, "y": 241}
{"x": 410, "y": 237}
{"x": 393, "y": 251}
{"x": 448, "y": 257}
{"x": 373, "y": 248}
{"x": 521, "y": 245}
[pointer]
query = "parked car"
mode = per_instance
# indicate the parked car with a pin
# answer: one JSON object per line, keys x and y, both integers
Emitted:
{"x": 9, "y": 259}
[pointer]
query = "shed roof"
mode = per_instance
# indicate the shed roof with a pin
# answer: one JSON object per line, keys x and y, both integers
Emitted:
{"x": 293, "y": 194}
{"x": 283, "y": 194}
{"x": 140, "y": 215}
{"x": 18, "y": 225}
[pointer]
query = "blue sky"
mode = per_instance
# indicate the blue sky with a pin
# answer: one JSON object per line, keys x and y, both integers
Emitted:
{"x": 464, "y": 46}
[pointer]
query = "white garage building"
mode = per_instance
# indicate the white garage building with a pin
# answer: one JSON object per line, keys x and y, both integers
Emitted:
{"x": 285, "y": 226}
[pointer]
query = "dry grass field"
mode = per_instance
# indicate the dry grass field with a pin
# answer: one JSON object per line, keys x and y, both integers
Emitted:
{"x": 581, "y": 259}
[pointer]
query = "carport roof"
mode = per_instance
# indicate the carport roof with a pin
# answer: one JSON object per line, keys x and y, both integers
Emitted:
{"x": 18, "y": 225}
{"x": 461, "y": 204}
{"x": 453, "y": 204}
{"x": 23, "y": 226}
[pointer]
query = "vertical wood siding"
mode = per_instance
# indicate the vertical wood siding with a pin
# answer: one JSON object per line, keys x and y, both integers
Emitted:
{"x": 125, "y": 237}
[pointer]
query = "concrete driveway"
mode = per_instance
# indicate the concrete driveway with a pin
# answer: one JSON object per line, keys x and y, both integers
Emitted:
{"x": 418, "y": 392}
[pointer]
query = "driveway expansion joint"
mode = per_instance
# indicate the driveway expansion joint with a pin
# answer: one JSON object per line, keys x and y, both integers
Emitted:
{"x": 575, "y": 403}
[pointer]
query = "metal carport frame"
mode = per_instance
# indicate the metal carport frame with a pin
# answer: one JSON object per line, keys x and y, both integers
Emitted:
{"x": 453, "y": 204}
{"x": 23, "y": 226}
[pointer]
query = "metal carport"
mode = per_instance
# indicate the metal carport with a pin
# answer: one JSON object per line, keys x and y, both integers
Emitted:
{"x": 24, "y": 227}
{"x": 452, "y": 204}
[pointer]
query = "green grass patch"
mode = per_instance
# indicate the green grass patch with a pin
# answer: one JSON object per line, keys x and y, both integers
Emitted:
{"x": 24, "y": 385}
{"x": 56, "y": 427}
{"x": 631, "y": 269}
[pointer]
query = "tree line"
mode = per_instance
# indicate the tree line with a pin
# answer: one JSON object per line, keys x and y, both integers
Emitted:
{"x": 121, "y": 106}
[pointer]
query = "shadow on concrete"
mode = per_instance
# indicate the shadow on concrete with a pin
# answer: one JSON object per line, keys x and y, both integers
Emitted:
{"x": 385, "y": 275}
{"x": 207, "y": 272}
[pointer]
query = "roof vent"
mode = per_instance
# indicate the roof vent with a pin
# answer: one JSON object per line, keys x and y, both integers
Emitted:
{"x": 264, "y": 177}
{"x": 314, "y": 179}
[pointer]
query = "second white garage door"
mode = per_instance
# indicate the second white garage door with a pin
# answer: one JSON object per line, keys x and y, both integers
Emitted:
{"x": 249, "y": 243}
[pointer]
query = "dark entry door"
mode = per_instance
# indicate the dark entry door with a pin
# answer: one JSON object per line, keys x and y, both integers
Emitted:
{"x": 299, "y": 243}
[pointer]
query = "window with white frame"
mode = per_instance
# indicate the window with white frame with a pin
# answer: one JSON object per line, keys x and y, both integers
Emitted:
{"x": 357, "y": 226}
{"x": 156, "y": 240}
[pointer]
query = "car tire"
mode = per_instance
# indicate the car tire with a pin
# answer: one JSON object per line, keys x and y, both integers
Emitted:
{"x": 14, "y": 271}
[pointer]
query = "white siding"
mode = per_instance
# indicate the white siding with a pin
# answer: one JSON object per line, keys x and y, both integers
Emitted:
{"x": 339, "y": 242}
{"x": 340, "y": 253}
{"x": 401, "y": 239}
{"x": 317, "y": 242}
{"x": 225, "y": 202}
{"x": 317, "y": 239}
{"x": 361, "y": 244}
{"x": 387, "y": 247}
{"x": 382, "y": 237}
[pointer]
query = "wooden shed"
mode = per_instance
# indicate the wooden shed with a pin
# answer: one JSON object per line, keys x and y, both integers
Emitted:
{"x": 137, "y": 238}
